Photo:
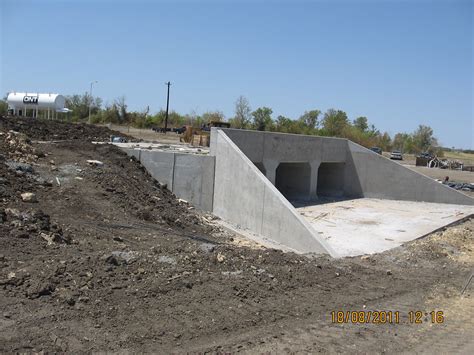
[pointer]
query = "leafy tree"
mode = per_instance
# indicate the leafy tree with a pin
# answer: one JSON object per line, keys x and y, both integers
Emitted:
{"x": 122, "y": 109}
{"x": 356, "y": 135}
{"x": 79, "y": 104}
{"x": 213, "y": 116}
{"x": 285, "y": 125}
{"x": 373, "y": 132}
{"x": 423, "y": 139}
{"x": 262, "y": 119}
{"x": 3, "y": 107}
{"x": 242, "y": 113}
{"x": 403, "y": 142}
{"x": 174, "y": 119}
{"x": 384, "y": 141}
{"x": 193, "y": 119}
{"x": 110, "y": 114}
{"x": 310, "y": 119}
{"x": 361, "y": 123}
{"x": 335, "y": 122}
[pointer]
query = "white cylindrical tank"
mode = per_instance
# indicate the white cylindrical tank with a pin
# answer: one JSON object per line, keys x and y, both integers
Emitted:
{"x": 20, "y": 100}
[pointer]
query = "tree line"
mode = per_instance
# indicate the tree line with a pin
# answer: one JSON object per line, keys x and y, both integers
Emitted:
{"x": 331, "y": 123}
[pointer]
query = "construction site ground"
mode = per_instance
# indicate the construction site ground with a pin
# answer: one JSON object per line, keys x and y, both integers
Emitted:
{"x": 103, "y": 258}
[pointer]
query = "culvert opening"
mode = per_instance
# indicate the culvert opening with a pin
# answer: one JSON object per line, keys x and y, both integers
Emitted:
{"x": 331, "y": 180}
{"x": 293, "y": 180}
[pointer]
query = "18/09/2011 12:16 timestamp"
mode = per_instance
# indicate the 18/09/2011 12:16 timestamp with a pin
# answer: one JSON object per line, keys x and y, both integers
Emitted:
{"x": 387, "y": 317}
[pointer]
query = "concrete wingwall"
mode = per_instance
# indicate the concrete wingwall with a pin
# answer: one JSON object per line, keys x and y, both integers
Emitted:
{"x": 372, "y": 175}
{"x": 245, "y": 197}
{"x": 188, "y": 176}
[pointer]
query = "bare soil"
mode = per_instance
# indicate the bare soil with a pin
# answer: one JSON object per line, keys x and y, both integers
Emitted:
{"x": 49, "y": 130}
{"x": 107, "y": 259}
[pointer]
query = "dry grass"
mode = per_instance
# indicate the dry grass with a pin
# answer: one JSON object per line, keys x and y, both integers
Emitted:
{"x": 466, "y": 158}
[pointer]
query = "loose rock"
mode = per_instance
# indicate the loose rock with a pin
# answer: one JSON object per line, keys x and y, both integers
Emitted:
{"x": 29, "y": 197}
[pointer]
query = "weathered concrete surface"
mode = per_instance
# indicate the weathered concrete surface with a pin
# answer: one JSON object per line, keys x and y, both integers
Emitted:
{"x": 372, "y": 175}
{"x": 188, "y": 176}
{"x": 243, "y": 196}
{"x": 366, "y": 226}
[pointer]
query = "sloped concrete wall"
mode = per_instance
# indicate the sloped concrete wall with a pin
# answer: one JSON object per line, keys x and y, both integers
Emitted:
{"x": 243, "y": 196}
{"x": 372, "y": 175}
{"x": 188, "y": 176}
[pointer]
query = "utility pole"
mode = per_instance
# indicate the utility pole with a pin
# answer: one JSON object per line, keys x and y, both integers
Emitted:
{"x": 90, "y": 99}
{"x": 167, "y": 105}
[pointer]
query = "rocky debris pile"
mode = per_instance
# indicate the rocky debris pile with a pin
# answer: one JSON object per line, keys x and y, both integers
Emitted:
{"x": 48, "y": 130}
{"x": 18, "y": 147}
{"x": 464, "y": 186}
{"x": 29, "y": 224}
{"x": 17, "y": 181}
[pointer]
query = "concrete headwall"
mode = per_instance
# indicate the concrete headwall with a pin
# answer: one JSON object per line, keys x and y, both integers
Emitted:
{"x": 188, "y": 176}
{"x": 243, "y": 196}
{"x": 372, "y": 175}
{"x": 268, "y": 150}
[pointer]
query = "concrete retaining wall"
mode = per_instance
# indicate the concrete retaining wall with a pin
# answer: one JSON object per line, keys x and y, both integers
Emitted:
{"x": 193, "y": 179}
{"x": 372, "y": 175}
{"x": 243, "y": 196}
{"x": 188, "y": 176}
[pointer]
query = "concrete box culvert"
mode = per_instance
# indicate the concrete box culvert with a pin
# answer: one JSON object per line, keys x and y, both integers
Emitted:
{"x": 249, "y": 177}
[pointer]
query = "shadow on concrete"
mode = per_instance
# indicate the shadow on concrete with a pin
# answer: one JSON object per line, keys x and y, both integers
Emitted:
{"x": 331, "y": 179}
{"x": 261, "y": 167}
{"x": 352, "y": 184}
{"x": 293, "y": 180}
{"x": 322, "y": 200}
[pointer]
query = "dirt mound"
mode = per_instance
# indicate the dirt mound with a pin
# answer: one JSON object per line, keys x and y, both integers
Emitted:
{"x": 49, "y": 130}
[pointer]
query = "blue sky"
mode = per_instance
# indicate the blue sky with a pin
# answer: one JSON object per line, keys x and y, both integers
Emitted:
{"x": 400, "y": 63}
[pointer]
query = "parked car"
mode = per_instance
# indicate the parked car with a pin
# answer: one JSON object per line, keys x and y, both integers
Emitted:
{"x": 179, "y": 130}
{"x": 376, "y": 150}
{"x": 426, "y": 155}
{"x": 117, "y": 139}
{"x": 396, "y": 155}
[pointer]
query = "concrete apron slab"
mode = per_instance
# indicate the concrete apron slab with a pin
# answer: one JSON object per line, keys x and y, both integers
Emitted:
{"x": 367, "y": 226}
